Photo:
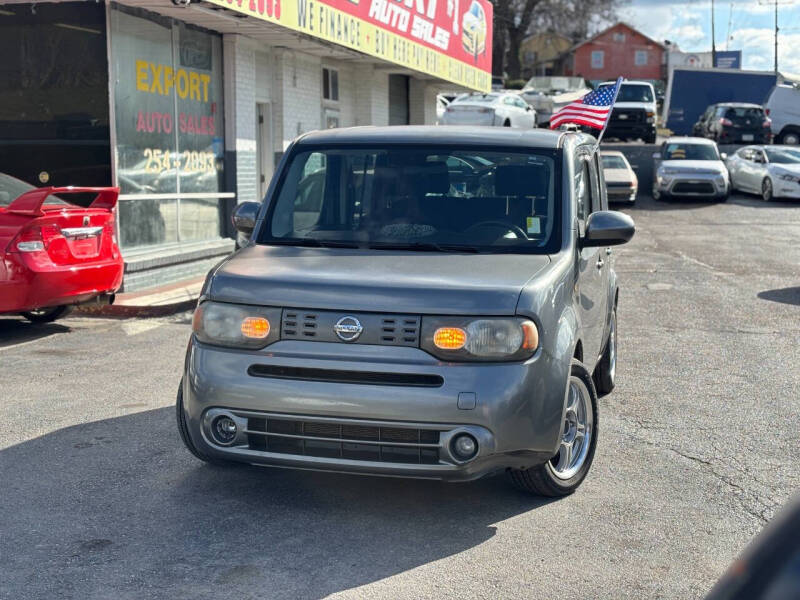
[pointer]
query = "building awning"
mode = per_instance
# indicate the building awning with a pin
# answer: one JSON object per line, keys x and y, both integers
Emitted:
{"x": 437, "y": 39}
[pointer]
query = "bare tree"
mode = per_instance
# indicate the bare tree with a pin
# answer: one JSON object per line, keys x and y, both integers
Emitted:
{"x": 515, "y": 19}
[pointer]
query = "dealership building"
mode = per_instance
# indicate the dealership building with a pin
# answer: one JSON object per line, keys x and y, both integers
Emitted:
{"x": 189, "y": 106}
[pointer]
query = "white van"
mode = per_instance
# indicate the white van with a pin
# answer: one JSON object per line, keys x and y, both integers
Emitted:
{"x": 783, "y": 107}
{"x": 634, "y": 112}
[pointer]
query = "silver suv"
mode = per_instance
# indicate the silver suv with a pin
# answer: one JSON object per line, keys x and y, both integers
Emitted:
{"x": 414, "y": 301}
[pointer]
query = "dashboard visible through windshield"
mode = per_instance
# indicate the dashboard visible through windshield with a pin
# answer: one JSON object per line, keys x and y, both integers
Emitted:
{"x": 429, "y": 199}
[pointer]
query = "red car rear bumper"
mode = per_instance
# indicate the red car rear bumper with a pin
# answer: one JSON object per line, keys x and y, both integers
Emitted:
{"x": 35, "y": 282}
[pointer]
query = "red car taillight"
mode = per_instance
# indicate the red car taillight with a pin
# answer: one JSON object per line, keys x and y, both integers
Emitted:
{"x": 36, "y": 238}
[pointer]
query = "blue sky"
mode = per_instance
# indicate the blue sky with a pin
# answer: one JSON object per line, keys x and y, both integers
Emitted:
{"x": 748, "y": 25}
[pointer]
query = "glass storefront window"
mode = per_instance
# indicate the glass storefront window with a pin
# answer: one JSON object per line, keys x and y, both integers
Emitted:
{"x": 169, "y": 129}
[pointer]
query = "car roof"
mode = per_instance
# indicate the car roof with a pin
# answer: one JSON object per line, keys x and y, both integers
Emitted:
{"x": 738, "y": 104}
{"x": 440, "y": 134}
{"x": 627, "y": 81}
{"x": 685, "y": 139}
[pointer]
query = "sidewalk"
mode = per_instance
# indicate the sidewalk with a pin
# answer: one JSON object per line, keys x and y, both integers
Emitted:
{"x": 155, "y": 302}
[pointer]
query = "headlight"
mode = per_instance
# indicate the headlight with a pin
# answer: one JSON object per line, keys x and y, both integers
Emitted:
{"x": 788, "y": 177}
{"x": 479, "y": 339}
{"x": 720, "y": 180}
{"x": 236, "y": 325}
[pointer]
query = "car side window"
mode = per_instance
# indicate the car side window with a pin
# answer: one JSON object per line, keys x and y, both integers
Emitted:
{"x": 582, "y": 185}
{"x": 595, "y": 200}
{"x": 603, "y": 191}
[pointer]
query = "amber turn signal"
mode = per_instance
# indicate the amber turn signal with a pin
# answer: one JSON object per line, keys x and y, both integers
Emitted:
{"x": 255, "y": 328}
{"x": 530, "y": 340}
{"x": 450, "y": 338}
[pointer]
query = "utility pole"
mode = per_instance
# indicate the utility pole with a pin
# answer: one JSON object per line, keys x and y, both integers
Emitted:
{"x": 713, "y": 39}
{"x": 776, "y": 37}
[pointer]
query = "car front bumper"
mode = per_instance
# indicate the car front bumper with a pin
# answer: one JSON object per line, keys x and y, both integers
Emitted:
{"x": 513, "y": 411}
{"x": 630, "y": 130}
{"x": 692, "y": 185}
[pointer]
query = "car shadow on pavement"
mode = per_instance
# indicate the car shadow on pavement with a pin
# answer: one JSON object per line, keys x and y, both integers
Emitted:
{"x": 15, "y": 331}
{"x": 118, "y": 508}
{"x": 790, "y": 295}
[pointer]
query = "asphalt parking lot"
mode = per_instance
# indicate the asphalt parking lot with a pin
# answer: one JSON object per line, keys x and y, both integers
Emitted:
{"x": 697, "y": 450}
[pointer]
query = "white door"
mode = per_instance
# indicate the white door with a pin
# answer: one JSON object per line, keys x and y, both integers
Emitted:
{"x": 264, "y": 147}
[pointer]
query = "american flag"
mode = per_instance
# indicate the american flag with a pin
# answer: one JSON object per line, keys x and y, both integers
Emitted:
{"x": 592, "y": 110}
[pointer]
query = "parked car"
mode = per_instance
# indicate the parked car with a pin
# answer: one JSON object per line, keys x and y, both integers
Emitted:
{"x": 441, "y": 106}
{"x": 690, "y": 167}
{"x": 783, "y": 107}
{"x": 734, "y": 123}
{"x": 426, "y": 324}
{"x": 549, "y": 94}
{"x": 53, "y": 253}
{"x": 772, "y": 171}
{"x": 473, "y": 30}
{"x": 499, "y": 109}
{"x": 621, "y": 182}
{"x": 634, "y": 113}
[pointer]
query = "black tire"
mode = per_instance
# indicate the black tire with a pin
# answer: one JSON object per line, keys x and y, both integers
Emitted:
{"x": 790, "y": 138}
{"x": 651, "y": 138}
{"x": 661, "y": 196}
{"x": 507, "y": 123}
{"x": 183, "y": 429}
{"x": 541, "y": 480}
{"x": 767, "y": 192}
{"x": 725, "y": 196}
{"x": 605, "y": 372}
{"x": 47, "y": 315}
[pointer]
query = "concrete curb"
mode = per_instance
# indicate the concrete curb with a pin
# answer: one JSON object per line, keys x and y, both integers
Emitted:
{"x": 124, "y": 311}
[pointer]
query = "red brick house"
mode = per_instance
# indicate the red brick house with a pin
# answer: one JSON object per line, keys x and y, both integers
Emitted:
{"x": 618, "y": 51}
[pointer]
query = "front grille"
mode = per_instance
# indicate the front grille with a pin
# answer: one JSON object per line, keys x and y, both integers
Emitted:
{"x": 627, "y": 115}
{"x": 699, "y": 187}
{"x": 379, "y": 329}
{"x": 618, "y": 184}
{"x": 328, "y": 439}
{"x": 341, "y": 376}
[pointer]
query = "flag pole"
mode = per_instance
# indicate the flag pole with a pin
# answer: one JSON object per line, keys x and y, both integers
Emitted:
{"x": 610, "y": 110}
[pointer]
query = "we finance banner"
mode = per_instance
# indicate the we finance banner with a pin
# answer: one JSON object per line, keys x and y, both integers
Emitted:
{"x": 449, "y": 39}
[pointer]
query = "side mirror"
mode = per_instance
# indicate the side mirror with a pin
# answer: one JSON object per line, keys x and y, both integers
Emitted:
{"x": 607, "y": 228}
{"x": 244, "y": 217}
{"x": 724, "y": 156}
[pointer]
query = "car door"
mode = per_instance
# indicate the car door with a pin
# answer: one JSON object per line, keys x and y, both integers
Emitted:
{"x": 593, "y": 268}
{"x": 512, "y": 112}
{"x": 760, "y": 170}
{"x": 734, "y": 165}
{"x": 526, "y": 114}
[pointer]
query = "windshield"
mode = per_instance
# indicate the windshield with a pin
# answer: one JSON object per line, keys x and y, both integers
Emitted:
{"x": 451, "y": 199}
{"x": 631, "y": 92}
{"x": 687, "y": 151}
{"x": 783, "y": 155}
{"x": 12, "y": 188}
{"x": 614, "y": 162}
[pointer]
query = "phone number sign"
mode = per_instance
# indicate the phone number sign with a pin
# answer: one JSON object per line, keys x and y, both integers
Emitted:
{"x": 448, "y": 39}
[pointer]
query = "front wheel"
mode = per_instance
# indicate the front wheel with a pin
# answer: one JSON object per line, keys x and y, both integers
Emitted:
{"x": 47, "y": 315}
{"x": 507, "y": 123}
{"x": 651, "y": 138}
{"x": 766, "y": 190}
{"x": 563, "y": 473}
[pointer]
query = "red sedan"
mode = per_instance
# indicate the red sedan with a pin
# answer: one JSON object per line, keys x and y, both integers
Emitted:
{"x": 55, "y": 254}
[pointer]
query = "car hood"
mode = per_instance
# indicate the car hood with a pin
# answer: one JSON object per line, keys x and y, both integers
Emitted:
{"x": 792, "y": 169}
{"x": 375, "y": 280}
{"x": 617, "y": 175}
{"x": 695, "y": 166}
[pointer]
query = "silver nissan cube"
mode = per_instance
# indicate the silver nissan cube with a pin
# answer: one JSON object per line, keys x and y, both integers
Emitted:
{"x": 421, "y": 302}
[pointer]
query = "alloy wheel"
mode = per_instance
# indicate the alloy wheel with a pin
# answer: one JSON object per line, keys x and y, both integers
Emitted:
{"x": 766, "y": 190}
{"x": 576, "y": 433}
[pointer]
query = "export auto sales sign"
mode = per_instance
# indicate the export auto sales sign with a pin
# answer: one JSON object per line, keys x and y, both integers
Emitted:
{"x": 449, "y": 39}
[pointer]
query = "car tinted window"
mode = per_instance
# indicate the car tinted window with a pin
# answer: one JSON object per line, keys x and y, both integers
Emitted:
{"x": 483, "y": 199}
{"x": 783, "y": 156}
{"x": 582, "y": 190}
{"x": 12, "y": 188}
{"x": 689, "y": 151}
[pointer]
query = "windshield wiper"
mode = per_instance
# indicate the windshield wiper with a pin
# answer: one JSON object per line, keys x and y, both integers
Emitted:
{"x": 424, "y": 247}
{"x": 312, "y": 243}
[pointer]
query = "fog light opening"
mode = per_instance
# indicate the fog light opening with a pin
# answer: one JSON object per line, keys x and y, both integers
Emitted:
{"x": 464, "y": 446}
{"x": 224, "y": 430}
